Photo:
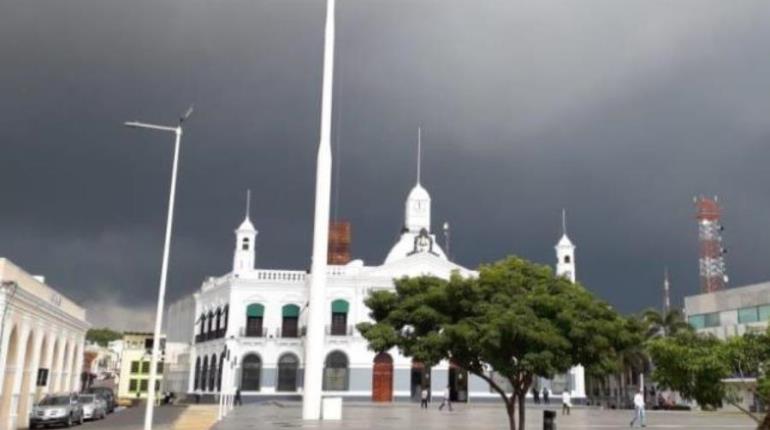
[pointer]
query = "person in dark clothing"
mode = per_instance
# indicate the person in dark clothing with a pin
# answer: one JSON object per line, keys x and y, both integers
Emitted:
{"x": 546, "y": 396}
{"x": 536, "y": 395}
{"x": 237, "y": 401}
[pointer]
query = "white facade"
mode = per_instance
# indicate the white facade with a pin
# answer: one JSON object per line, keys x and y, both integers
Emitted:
{"x": 259, "y": 317}
{"x": 42, "y": 343}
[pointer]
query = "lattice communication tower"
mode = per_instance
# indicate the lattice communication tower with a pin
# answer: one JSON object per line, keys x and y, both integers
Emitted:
{"x": 713, "y": 276}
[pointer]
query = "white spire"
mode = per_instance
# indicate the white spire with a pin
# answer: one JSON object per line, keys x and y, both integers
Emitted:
{"x": 419, "y": 153}
{"x": 564, "y": 241}
{"x": 666, "y": 292}
{"x": 248, "y": 203}
{"x": 564, "y": 222}
{"x": 246, "y": 225}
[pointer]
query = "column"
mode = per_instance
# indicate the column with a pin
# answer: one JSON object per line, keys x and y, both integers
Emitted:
{"x": 17, "y": 376}
{"x": 29, "y": 379}
{"x": 4, "y": 347}
{"x": 48, "y": 364}
{"x": 67, "y": 370}
{"x": 56, "y": 367}
{"x": 78, "y": 363}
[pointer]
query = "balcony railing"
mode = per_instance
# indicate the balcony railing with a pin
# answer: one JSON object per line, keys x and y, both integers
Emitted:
{"x": 245, "y": 332}
{"x": 332, "y": 330}
{"x": 292, "y": 333}
{"x": 211, "y": 335}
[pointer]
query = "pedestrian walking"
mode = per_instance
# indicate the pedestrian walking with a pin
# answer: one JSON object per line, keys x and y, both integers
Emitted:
{"x": 237, "y": 401}
{"x": 536, "y": 395}
{"x": 566, "y": 402}
{"x": 424, "y": 398}
{"x": 639, "y": 414}
{"x": 546, "y": 396}
{"x": 446, "y": 401}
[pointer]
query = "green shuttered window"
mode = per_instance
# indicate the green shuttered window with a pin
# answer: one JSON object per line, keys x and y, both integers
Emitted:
{"x": 340, "y": 306}
{"x": 255, "y": 310}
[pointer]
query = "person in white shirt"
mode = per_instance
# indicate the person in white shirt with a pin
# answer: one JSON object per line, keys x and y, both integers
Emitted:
{"x": 446, "y": 400}
{"x": 566, "y": 402}
{"x": 639, "y": 409}
{"x": 424, "y": 398}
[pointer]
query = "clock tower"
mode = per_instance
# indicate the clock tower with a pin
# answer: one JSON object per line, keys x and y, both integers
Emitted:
{"x": 417, "y": 216}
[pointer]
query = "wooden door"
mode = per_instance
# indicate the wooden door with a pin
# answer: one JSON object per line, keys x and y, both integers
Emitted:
{"x": 382, "y": 378}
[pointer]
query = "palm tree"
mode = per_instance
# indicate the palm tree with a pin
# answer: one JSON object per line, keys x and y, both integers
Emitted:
{"x": 665, "y": 323}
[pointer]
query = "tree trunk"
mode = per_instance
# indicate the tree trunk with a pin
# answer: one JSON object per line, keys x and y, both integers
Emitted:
{"x": 765, "y": 424}
{"x": 522, "y": 408}
{"x": 510, "y": 407}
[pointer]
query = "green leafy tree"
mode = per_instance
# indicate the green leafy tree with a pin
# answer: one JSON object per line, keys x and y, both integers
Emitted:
{"x": 697, "y": 365}
{"x": 102, "y": 336}
{"x": 517, "y": 319}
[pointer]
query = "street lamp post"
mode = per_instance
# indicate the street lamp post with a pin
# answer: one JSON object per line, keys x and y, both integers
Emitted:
{"x": 164, "y": 267}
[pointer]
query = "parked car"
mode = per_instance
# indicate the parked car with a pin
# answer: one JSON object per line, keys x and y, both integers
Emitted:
{"x": 94, "y": 406}
{"x": 107, "y": 394}
{"x": 57, "y": 409}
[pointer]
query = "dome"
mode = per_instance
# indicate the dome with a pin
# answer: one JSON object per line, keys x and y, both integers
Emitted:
{"x": 418, "y": 193}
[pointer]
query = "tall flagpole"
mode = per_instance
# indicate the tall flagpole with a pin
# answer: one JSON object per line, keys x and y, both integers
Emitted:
{"x": 314, "y": 342}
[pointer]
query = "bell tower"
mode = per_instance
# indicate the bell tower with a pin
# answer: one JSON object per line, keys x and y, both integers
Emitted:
{"x": 565, "y": 252}
{"x": 245, "y": 242}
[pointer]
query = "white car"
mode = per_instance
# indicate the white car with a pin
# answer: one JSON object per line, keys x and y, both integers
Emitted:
{"x": 94, "y": 406}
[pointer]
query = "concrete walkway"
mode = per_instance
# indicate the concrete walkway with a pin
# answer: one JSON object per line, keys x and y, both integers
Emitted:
{"x": 358, "y": 416}
{"x": 196, "y": 417}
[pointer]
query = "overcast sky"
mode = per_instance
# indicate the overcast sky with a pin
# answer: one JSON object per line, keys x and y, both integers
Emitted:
{"x": 619, "y": 112}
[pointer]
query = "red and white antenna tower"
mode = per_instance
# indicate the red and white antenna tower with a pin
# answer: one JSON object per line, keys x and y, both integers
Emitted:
{"x": 712, "y": 262}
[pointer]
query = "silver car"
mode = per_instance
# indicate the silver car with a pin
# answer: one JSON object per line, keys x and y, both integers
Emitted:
{"x": 57, "y": 409}
{"x": 94, "y": 406}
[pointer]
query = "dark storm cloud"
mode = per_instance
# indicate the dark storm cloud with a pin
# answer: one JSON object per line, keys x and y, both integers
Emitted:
{"x": 618, "y": 111}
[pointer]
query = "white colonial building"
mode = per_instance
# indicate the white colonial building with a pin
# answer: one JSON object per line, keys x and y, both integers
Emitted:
{"x": 259, "y": 315}
{"x": 41, "y": 344}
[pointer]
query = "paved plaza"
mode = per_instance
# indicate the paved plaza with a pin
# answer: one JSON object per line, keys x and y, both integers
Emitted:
{"x": 490, "y": 416}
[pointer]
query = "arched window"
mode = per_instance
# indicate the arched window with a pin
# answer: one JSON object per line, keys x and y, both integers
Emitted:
{"x": 197, "y": 376}
{"x": 288, "y": 365}
{"x": 245, "y": 244}
{"x": 252, "y": 370}
{"x": 203, "y": 323}
{"x": 210, "y": 327}
{"x": 336, "y": 372}
{"x": 339, "y": 318}
{"x": 213, "y": 373}
{"x": 221, "y": 366}
{"x": 219, "y": 319}
{"x": 566, "y": 258}
{"x": 254, "y": 314}
{"x": 226, "y": 316}
{"x": 290, "y": 323}
{"x": 204, "y": 373}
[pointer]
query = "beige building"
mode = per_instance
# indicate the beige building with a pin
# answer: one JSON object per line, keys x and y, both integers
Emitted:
{"x": 135, "y": 366}
{"x": 41, "y": 344}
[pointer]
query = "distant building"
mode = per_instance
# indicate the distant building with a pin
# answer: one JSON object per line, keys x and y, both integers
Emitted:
{"x": 176, "y": 372}
{"x": 42, "y": 335}
{"x": 732, "y": 312}
{"x": 135, "y": 365}
{"x": 101, "y": 365}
